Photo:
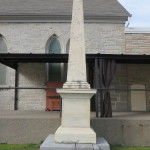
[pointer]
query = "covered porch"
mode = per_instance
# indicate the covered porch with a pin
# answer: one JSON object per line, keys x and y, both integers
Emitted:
{"x": 120, "y": 93}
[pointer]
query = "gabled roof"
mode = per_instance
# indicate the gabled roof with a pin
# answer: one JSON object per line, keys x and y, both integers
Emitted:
{"x": 92, "y": 8}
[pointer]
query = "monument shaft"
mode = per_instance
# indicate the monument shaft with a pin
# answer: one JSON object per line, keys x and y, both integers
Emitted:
{"x": 77, "y": 45}
{"x": 76, "y": 76}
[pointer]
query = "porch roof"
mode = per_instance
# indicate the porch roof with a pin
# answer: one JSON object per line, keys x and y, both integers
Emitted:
{"x": 12, "y": 59}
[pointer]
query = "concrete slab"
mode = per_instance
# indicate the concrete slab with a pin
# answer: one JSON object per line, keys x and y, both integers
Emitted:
{"x": 84, "y": 146}
{"x": 19, "y": 124}
{"x": 102, "y": 144}
{"x": 50, "y": 144}
{"x": 95, "y": 147}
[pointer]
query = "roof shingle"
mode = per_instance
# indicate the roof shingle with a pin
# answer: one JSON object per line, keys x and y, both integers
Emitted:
{"x": 61, "y": 7}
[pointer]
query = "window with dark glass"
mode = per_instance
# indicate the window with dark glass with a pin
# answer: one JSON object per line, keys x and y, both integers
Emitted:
{"x": 54, "y": 69}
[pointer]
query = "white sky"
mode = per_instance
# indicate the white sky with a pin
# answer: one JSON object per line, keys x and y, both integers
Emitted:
{"x": 140, "y": 10}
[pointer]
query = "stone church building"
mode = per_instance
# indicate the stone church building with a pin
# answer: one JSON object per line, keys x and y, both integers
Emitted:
{"x": 33, "y": 28}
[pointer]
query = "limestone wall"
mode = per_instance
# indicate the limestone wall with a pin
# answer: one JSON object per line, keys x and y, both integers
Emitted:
{"x": 32, "y": 75}
{"x": 7, "y": 96}
{"x": 32, "y": 38}
{"x": 100, "y": 38}
{"x": 105, "y": 38}
{"x": 137, "y": 43}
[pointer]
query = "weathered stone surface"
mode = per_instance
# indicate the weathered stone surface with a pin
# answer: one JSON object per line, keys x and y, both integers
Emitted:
{"x": 84, "y": 146}
{"x": 25, "y": 127}
{"x": 102, "y": 144}
{"x": 75, "y": 125}
{"x": 21, "y": 129}
{"x": 95, "y": 147}
{"x": 33, "y": 39}
{"x": 77, "y": 65}
{"x": 138, "y": 98}
{"x": 50, "y": 144}
{"x": 137, "y": 42}
{"x": 75, "y": 135}
{"x": 76, "y": 107}
{"x": 76, "y": 76}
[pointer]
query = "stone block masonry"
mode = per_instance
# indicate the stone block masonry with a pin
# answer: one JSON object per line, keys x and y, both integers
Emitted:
{"x": 7, "y": 96}
{"x": 99, "y": 38}
{"x": 138, "y": 43}
{"x": 32, "y": 75}
{"x": 32, "y": 38}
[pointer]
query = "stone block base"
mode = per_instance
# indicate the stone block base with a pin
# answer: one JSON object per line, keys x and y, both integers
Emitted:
{"x": 50, "y": 144}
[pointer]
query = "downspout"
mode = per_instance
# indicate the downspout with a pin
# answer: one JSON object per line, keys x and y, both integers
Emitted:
{"x": 16, "y": 89}
{"x": 128, "y": 22}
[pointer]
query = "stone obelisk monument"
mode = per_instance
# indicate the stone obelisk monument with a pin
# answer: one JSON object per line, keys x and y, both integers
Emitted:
{"x": 76, "y": 92}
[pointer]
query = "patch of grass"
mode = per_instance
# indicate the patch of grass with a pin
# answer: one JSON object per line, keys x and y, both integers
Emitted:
{"x": 37, "y": 146}
{"x": 19, "y": 147}
{"x": 113, "y": 147}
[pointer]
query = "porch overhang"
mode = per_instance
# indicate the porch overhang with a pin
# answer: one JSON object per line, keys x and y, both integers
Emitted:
{"x": 12, "y": 59}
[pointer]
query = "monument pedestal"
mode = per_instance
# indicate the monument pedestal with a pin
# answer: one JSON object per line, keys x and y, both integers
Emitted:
{"x": 50, "y": 144}
{"x": 75, "y": 125}
{"x": 75, "y": 135}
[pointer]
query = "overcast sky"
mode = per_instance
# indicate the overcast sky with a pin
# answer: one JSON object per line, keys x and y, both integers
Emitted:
{"x": 140, "y": 10}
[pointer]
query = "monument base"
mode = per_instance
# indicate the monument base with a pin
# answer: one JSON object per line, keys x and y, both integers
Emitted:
{"x": 75, "y": 135}
{"x": 75, "y": 123}
{"x": 50, "y": 144}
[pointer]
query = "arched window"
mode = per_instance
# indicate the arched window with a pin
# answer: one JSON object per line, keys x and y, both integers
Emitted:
{"x": 3, "y": 49}
{"x": 54, "y": 69}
